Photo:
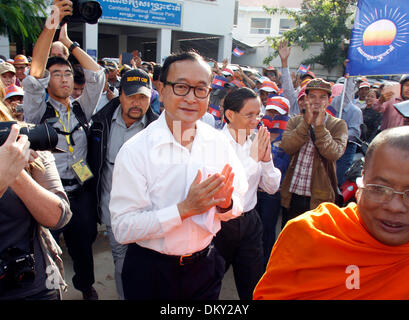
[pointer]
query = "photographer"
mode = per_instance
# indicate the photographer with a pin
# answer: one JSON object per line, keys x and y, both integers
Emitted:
{"x": 32, "y": 199}
{"x": 56, "y": 75}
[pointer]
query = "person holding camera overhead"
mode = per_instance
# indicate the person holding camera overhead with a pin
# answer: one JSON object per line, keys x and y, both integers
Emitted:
{"x": 27, "y": 269}
{"x": 56, "y": 75}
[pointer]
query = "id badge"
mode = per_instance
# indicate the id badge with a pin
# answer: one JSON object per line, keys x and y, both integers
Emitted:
{"x": 82, "y": 171}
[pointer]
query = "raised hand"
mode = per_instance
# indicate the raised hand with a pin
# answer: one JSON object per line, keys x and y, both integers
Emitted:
{"x": 261, "y": 148}
{"x": 225, "y": 193}
{"x": 284, "y": 52}
{"x": 308, "y": 116}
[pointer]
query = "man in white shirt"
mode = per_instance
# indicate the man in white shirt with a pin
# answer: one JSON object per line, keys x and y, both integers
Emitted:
{"x": 173, "y": 183}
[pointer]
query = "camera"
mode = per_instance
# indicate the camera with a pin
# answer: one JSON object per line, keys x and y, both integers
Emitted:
{"x": 88, "y": 11}
{"x": 16, "y": 269}
{"x": 42, "y": 136}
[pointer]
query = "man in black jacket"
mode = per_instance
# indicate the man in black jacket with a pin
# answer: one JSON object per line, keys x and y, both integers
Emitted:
{"x": 113, "y": 125}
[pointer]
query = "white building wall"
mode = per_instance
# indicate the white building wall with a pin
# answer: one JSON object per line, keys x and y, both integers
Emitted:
{"x": 208, "y": 16}
{"x": 255, "y": 58}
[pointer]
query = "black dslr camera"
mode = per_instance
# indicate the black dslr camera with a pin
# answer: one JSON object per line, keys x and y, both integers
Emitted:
{"x": 16, "y": 269}
{"x": 42, "y": 136}
{"x": 88, "y": 11}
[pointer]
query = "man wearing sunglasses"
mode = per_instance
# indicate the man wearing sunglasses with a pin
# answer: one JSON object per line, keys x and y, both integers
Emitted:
{"x": 357, "y": 252}
{"x": 173, "y": 183}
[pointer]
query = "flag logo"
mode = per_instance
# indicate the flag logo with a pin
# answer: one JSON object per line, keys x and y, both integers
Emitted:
{"x": 379, "y": 32}
{"x": 380, "y": 38}
{"x": 237, "y": 52}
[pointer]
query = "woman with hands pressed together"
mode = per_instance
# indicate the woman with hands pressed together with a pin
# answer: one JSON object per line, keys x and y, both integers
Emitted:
{"x": 240, "y": 239}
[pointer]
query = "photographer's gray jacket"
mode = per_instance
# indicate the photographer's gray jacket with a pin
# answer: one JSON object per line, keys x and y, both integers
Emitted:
{"x": 35, "y": 105}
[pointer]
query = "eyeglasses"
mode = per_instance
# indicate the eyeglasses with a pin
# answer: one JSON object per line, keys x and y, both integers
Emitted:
{"x": 382, "y": 194}
{"x": 183, "y": 89}
{"x": 250, "y": 116}
{"x": 60, "y": 75}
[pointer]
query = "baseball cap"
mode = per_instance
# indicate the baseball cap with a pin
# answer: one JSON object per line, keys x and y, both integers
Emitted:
{"x": 269, "y": 86}
{"x": 12, "y": 91}
{"x": 136, "y": 81}
{"x": 280, "y": 104}
{"x": 20, "y": 59}
{"x": 227, "y": 72}
{"x": 111, "y": 65}
{"x": 262, "y": 79}
{"x": 308, "y": 73}
{"x": 6, "y": 67}
{"x": 319, "y": 84}
{"x": 364, "y": 84}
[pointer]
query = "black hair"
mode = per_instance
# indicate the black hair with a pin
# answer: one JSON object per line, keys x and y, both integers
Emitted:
{"x": 376, "y": 91}
{"x": 150, "y": 67}
{"x": 58, "y": 60}
{"x": 124, "y": 69}
{"x": 186, "y": 55}
{"x": 156, "y": 72}
{"x": 79, "y": 77}
{"x": 235, "y": 100}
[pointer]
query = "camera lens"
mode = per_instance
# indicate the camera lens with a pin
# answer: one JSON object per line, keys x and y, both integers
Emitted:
{"x": 90, "y": 11}
{"x": 41, "y": 137}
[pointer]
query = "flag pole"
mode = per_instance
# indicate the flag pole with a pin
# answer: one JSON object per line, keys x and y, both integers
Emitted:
{"x": 342, "y": 98}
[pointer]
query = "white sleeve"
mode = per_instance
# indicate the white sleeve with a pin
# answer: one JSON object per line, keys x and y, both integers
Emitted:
{"x": 270, "y": 177}
{"x": 131, "y": 217}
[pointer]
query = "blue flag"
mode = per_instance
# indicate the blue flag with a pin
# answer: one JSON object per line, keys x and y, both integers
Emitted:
{"x": 380, "y": 38}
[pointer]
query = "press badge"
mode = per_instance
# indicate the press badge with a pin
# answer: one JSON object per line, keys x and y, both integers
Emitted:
{"x": 82, "y": 171}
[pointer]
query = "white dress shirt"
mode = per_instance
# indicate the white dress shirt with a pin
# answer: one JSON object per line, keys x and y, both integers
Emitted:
{"x": 153, "y": 173}
{"x": 262, "y": 174}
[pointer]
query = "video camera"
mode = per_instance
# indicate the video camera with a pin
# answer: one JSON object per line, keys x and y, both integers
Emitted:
{"x": 88, "y": 11}
{"x": 41, "y": 136}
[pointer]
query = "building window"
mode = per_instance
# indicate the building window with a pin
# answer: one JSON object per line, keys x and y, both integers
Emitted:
{"x": 260, "y": 25}
{"x": 286, "y": 24}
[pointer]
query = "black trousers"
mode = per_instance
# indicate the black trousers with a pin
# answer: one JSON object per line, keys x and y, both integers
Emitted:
{"x": 298, "y": 205}
{"x": 268, "y": 207}
{"x": 79, "y": 235}
{"x": 240, "y": 243}
{"x": 150, "y": 275}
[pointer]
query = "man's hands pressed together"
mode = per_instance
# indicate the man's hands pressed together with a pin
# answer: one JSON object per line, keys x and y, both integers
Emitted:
{"x": 215, "y": 190}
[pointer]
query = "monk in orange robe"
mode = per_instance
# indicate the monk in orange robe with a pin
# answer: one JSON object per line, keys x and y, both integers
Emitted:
{"x": 357, "y": 252}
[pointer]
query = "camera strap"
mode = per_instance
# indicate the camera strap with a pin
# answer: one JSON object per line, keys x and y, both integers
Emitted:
{"x": 79, "y": 114}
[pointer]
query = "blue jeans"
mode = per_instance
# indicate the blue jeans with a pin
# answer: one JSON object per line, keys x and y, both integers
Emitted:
{"x": 345, "y": 162}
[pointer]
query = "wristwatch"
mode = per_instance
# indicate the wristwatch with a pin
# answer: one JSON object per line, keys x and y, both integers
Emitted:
{"x": 73, "y": 46}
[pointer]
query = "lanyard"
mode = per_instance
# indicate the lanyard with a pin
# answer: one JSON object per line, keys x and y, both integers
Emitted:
{"x": 70, "y": 148}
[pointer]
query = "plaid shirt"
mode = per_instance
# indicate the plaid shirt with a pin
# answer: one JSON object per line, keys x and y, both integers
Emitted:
{"x": 301, "y": 180}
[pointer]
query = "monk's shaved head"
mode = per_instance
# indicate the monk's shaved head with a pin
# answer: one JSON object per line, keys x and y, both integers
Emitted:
{"x": 397, "y": 137}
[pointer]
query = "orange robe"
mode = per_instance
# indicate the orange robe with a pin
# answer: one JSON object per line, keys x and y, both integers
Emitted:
{"x": 327, "y": 253}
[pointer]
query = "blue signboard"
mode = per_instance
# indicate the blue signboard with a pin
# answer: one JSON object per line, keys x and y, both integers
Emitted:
{"x": 160, "y": 13}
